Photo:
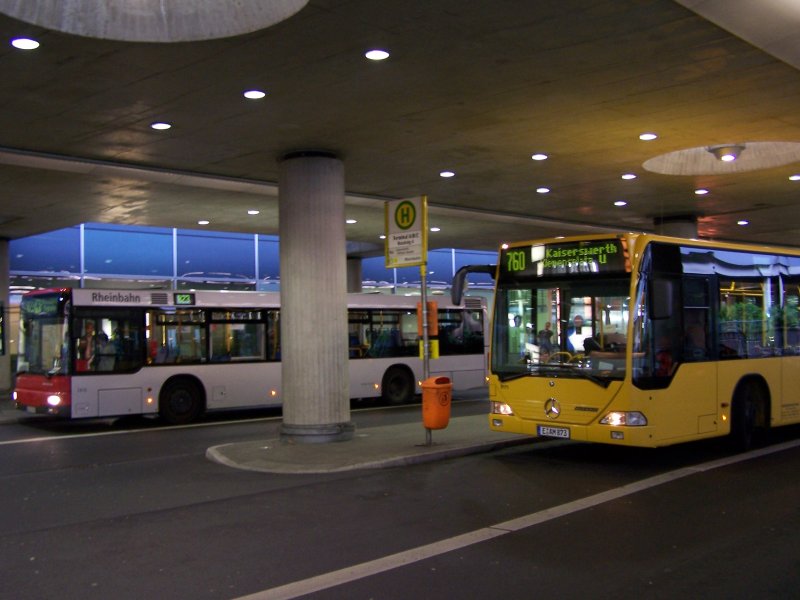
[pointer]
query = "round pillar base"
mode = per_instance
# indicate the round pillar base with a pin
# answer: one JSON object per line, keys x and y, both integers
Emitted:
{"x": 317, "y": 434}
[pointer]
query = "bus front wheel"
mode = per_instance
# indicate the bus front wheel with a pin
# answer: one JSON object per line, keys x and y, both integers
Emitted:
{"x": 398, "y": 386}
{"x": 180, "y": 402}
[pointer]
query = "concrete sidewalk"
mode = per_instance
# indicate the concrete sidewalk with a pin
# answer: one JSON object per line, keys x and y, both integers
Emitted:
{"x": 370, "y": 448}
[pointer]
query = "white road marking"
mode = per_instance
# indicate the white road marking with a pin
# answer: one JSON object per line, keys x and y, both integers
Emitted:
{"x": 400, "y": 559}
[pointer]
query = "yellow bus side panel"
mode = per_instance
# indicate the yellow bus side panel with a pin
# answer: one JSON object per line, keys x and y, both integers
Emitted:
{"x": 787, "y": 410}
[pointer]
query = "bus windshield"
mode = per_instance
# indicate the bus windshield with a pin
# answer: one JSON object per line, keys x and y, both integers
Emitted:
{"x": 566, "y": 328}
{"x": 43, "y": 342}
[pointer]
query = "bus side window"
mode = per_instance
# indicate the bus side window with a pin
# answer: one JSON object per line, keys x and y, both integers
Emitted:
{"x": 696, "y": 318}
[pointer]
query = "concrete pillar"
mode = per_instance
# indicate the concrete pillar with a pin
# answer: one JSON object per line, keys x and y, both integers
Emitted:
{"x": 5, "y": 358}
{"x": 682, "y": 226}
{"x": 314, "y": 349}
{"x": 354, "y": 276}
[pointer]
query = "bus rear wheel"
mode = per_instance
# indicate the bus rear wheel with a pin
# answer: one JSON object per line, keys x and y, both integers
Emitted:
{"x": 398, "y": 386}
{"x": 743, "y": 416}
{"x": 180, "y": 402}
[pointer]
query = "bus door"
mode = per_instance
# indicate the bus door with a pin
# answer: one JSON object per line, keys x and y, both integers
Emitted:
{"x": 673, "y": 354}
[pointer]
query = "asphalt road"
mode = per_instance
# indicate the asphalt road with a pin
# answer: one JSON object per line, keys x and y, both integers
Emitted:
{"x": 134, "y": 510}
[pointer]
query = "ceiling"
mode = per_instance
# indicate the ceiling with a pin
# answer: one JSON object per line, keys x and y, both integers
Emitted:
{"x": 472, "y": 87}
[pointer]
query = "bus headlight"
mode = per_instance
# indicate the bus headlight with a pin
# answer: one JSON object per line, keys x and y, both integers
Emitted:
{"x": 501, "y": 408}
{"x": 621, "y": 419}
{"x": 54, "y": 400}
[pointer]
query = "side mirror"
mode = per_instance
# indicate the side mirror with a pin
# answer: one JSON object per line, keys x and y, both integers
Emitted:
{"x": 460, "y": 279}
{"x": 661, "y": 294}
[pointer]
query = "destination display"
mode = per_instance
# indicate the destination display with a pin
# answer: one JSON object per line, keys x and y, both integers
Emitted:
{"x": 573, "y": 258}
{"x": 184, "y": 299}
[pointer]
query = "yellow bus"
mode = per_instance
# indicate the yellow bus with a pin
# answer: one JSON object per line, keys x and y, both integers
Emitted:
{"x": 644, "y": 340}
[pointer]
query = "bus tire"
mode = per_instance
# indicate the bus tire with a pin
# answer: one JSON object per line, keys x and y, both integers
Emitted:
{"x": 398, "y": 385}
{"x": 180, "y": 401}
{"x": 746, "y": 401}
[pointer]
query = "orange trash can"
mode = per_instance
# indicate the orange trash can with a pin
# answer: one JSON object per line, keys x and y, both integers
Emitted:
{"x": 437, "y": 393}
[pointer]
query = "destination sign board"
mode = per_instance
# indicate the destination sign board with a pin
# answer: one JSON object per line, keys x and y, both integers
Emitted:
{"x": 584, "y": 258}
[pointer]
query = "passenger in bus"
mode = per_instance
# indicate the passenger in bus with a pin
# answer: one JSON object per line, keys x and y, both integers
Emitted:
{"x": 545, "y": 338}
{"x": 664, "y": 361}
{"x": 104, "y": 354}
{"x": 86, "y": 348}
{"x": 576, "y": 335}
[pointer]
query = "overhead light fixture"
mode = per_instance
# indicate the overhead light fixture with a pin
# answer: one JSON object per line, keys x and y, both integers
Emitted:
{"x": 701, "y": 191}
{"x": 153, "y": 20}
{"x": 726, "y": 153}
{"x": 447, "y": 174}
{"x": 254, "y": 94}
{"x": 160, "y": 126}
{"x": 377, "y": 54}
{"x": 24, "y": 44}
{"x": 648, "y": 136}
{"x": 350, "y": 221}
{"x": 620, "y": 203}
{"x": 543, "y": 190}
{"x": 539, "y": 156}
{"x": 628, "y": 176}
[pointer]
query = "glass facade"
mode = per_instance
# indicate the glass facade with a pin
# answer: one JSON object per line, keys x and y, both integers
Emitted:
{"x": 95, "y": 255}
{"x": 102, "y": 255}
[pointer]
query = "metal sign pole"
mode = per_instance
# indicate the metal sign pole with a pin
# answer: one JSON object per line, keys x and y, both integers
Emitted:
{"x": 426, "y": 350}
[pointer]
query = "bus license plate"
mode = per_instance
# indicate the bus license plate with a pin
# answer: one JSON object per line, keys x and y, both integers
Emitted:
{"x": 556, "y": 432}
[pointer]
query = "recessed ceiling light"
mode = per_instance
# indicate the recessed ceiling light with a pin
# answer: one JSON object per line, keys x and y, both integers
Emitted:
{"x": 447, "y": 174}
{"x": 24, "y": 44}
{"x": 253, "y": 211}
{"x": 350, "y": 221}
{"x": 701, "y": 191}
{"x": 794, "y": 177}
{"x": 435, "y": 229}
{"x": 743, "y": 222}
{"x": 629, "y": 176}
{"x": 381, "y": 236}
{"x": 160, "y": 126}
{"x": 559, "y": 237}
{"x": 377, "y": 54}
{"x": 542, "y": 190}
{"x": 539, "y": 156}
{"x": 203, "y": 222}
{"x": 620, "y": 203}
{"x": 254, "y": 94}
{"x": 646, "y": 137}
